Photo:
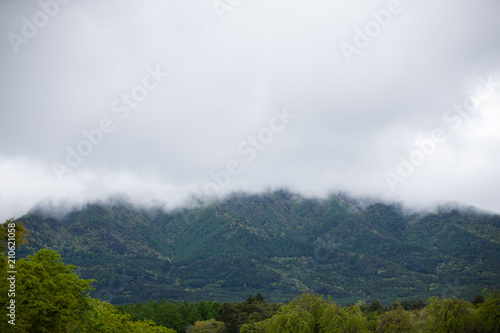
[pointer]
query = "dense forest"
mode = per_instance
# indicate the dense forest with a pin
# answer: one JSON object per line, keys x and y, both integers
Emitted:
{"x": 279, "y": 244}
{"x": 45, "y": 295}
{"x": 50, "y": 297}
{"x": 313, "y": 313}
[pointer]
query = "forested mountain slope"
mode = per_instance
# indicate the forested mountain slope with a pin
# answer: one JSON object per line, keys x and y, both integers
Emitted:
{"x": 279, "y": 244}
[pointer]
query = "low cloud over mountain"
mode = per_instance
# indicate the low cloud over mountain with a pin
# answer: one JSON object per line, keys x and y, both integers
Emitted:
{"x": 157, "y": 100}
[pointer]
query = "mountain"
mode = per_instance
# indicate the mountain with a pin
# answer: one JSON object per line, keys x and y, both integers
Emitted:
{"x": 277, "y": 243}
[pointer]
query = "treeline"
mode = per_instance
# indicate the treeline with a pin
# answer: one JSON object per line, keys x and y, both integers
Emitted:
{"x": 45, "y": 295}
{"x": 312, "y": 313}
{"x": 248, "y": 243}
{"x": 175, "y": 315}
{"x": 202, "y": 316}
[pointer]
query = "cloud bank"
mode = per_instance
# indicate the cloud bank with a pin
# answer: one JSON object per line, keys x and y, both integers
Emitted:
{"x": 158, "y": 100}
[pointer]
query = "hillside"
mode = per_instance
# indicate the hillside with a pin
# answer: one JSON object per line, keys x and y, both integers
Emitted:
{"x": 279, "y": 244}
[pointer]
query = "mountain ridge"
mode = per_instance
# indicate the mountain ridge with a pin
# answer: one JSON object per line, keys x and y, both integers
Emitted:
{"x": 277, "y": 243}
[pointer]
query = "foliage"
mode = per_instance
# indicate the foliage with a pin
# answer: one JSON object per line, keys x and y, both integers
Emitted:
{"x": 276, "y": 243}
{"x": 489, "y": 312}
{"x": 104, "y": 318}
{"x": 49, "y": 297}
{"x": 376, "y": 307}
{"x": 450, "y": 315}
{"x": 147, "y": 326}
{"x": 298, "y": 316}
{"x": 53, "y": 299}
{"x": 311, "y": 313}
{"x": 254, "y": 309}
{"x": 176, "y": 315}
{"x": 337, "y": 319}
{"x": 396, "y": 320}
{"x": 478, "y": 299}
{"x": 207, "y": 326}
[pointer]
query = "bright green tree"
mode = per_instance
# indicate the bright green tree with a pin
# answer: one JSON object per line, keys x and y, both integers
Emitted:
{"x": 48, "y": 295}
{"x": 147, "y": 326}
{"x": 489, "y": 312}
{"x": 396, "y": 320}
{"x": 207, "y": 326}
{"x": 346, "y": 320}
{"x": 290, "y": 320}
{"x": 299, "y": 316}
{"x": 450, "y": 315}
{"x": 311, "y": 313}
{"x": 104, "y": 317}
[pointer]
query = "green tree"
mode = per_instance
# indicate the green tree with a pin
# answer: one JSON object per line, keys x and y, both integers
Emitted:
{"x": 489, "y": 312}
{"x": 49, "y": 296}
{"x": 376, "y": 307}
{"x": 254, "y": 309}
{"x": 417, "y": 304}
{"x": 208, "y": 310}
{"x": 311, "y": 313}
{"x": 338, "y": 319}
{"x": 302, "y": 314}
{"x": 298, "y": 316}
{"x": 478, "y": 299}
{"x": 207, "y": 326}
{"x": 104, "y": 318}
{"x": 450, "y": 315}
{"x": 254, "y": 328}
{"x": 396, "y": 320}
{"x": 290, "y": 320}
{"x": 147, "y": 326}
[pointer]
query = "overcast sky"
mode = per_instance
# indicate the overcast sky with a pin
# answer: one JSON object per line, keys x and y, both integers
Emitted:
{"x": 157, "y": 100}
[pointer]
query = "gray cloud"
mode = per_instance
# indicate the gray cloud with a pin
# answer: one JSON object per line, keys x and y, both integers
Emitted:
{"x": 354, "y": 120}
